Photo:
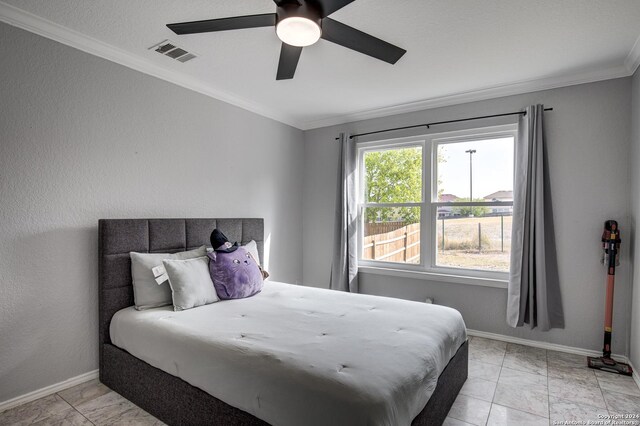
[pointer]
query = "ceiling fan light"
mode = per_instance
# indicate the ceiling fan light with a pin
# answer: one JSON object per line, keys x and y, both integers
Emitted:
{"x": 298, "y": 31}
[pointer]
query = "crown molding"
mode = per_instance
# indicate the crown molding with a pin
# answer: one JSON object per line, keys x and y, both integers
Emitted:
{"x": 22, "y": 19}
{"x": 28, "y": 21}
{"x": 633, "y": 58}
{"x": 517, "y": 88}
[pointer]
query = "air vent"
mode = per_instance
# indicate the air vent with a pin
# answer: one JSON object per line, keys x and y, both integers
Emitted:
{"x": 186, "y": 57}
{"x": 170, "y": 49}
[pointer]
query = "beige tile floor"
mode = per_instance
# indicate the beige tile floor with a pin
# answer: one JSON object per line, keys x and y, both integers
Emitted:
{"x": 512, "y": 384}
{"x": 90, "y": 403}
{"x": 508, "y": 385}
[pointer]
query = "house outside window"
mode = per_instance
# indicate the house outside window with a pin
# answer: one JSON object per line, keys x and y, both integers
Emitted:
{"x": 439, "y": 203}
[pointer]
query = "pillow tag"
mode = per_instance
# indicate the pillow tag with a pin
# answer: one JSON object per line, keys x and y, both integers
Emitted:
{"x": 162, "y": 278}
{"x": 158, "y": 270}
{"x": 160, "y": 274}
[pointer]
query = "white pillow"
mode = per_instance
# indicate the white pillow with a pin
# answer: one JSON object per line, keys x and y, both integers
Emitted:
{"x": 252, "y": 248}
{"x": 147, "y": 292}
{"x": 190, "y": 282}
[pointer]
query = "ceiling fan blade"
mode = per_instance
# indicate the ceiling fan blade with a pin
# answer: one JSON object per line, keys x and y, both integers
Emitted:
{"x": 330, "y": 6}
{"x": 289, "y": 56}
{"x": 351, "y": 38}
{"x": 224, "y": 24}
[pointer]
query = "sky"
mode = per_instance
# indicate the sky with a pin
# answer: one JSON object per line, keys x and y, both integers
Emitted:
{"x": 492, "y": 167}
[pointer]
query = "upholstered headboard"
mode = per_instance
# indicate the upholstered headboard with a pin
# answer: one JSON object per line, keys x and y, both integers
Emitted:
{"x": 118, "y": 237}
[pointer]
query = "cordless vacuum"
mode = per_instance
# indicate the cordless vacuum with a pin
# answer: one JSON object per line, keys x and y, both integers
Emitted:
{"x": 611, "y": 245}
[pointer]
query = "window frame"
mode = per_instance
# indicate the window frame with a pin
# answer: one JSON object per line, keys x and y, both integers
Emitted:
{"x": 427, "y": 268}
{"x": 388, "y": 144}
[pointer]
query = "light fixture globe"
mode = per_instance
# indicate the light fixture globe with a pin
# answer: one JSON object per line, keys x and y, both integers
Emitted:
{"x": 298, "y": 31}
{"x": 298, "y": 24}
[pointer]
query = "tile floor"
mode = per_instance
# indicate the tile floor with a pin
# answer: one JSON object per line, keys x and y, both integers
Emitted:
{"x": 512, "y": 384}
{"x": 90, "y": 403}
{"x": 508, "y": 385}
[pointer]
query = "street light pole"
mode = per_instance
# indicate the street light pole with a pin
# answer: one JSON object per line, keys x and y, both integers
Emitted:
{"x": 470, "y": 152}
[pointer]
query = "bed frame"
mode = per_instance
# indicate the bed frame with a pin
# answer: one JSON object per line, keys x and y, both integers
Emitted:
{"x": 170, "y": 398}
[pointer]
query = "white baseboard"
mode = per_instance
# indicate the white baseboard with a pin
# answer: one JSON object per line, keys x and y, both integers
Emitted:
{"x": 553, "y": 347}
{"x": 543, "y": 345}
{"x": 48, "y": 390}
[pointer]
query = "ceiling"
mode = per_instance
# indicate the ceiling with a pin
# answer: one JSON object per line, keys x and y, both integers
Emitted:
{"x": 457, "y": 50}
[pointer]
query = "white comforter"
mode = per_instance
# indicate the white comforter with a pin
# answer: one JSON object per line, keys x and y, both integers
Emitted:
{"x": 295, "y": 355}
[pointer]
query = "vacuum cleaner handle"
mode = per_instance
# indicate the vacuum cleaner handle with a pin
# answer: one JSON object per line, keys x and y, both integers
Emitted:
{"x": 611, "y": 244}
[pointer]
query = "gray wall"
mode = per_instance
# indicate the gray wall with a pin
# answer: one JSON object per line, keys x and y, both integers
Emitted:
{"x": 588, "y": 139}
{"x": 82, "y": 138}
{"x": 634, "y": 350}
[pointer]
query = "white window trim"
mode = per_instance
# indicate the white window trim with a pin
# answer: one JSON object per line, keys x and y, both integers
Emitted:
{"x": 427, "y": 269}
{"x": 432, "y": 276}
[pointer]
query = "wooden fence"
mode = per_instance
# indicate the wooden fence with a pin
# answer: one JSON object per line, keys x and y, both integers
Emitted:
{"x": 399, "y": 242}
{"x": 392, "y": 242}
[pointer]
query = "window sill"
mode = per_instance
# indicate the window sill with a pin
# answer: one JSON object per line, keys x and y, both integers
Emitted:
{"x": 434, "y": 276}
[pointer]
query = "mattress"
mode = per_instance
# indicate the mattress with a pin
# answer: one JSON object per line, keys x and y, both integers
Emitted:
{"x": 294, "y": 355}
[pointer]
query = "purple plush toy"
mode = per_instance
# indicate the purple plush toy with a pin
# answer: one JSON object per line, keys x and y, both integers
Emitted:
{"x": 234, "y": 272}
{"x": 235, "y": 275}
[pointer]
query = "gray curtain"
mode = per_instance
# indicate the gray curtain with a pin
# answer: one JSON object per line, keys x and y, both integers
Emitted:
{"x": 534, "y": 288}
{"x": 344, "y": 266}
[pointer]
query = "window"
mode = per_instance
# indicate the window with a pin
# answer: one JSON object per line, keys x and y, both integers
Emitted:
{"x": 438, "y": 203}
{"x": 392, "y": 204}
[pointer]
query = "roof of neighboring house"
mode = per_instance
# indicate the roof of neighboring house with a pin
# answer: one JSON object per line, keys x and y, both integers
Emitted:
{"x": 447, "y": 198}
{"x": 500, "y": 195}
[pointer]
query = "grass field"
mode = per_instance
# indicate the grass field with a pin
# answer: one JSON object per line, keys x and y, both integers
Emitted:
{"x": 469, "y": 242}
{"x": 461, "y": 243}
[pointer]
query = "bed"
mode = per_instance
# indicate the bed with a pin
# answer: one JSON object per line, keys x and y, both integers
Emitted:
{"x": 145, "y": 379}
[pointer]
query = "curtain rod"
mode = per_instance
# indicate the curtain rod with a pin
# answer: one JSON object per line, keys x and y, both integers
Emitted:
{"x": 428, "y": 125}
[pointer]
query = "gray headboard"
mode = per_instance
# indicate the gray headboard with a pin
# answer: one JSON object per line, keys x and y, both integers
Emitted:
{"x": 118, "y": 237}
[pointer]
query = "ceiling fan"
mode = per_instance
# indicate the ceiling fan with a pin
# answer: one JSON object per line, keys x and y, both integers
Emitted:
{"x": 300, "y": 23}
